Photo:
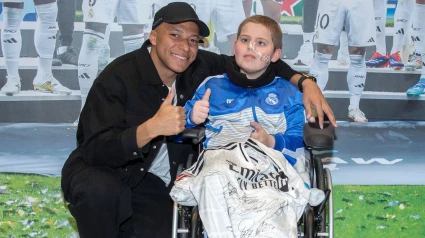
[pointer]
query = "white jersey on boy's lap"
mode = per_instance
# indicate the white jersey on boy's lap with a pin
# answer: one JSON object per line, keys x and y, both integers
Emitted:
{"x": 357, "y": 16}
{"x": 126, "y": 11}
{"x": 244, "y": 190}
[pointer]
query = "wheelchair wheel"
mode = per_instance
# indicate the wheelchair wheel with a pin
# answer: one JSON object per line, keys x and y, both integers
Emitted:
{"x": 184, "y": 221}
{"x": 309, "y": 222}
{"x": 330, "y": 208}
{"x": 320, "y": 183}
{"x": 189, "y": 161}
{"x": 196, "y": 224}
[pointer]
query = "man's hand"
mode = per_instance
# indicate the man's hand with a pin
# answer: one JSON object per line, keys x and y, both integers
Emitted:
{"x": 169, "y": 119}
{"x": 201, "y": 109}
{"x": 261, "y": 135}
{"x": 313, "y": 97}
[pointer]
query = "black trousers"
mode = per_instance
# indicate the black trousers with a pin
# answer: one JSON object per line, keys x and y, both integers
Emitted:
{"x": 105, "y": 206}
{"x": 66, "y": 19}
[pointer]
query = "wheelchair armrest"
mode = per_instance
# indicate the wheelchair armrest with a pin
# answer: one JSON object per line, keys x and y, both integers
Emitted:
{"x": 317, "y": 138}
{"x": 197, "y": 134}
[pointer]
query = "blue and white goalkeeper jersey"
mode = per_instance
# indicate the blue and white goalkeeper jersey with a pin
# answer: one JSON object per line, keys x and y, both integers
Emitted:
{"x": 277, "y": 107}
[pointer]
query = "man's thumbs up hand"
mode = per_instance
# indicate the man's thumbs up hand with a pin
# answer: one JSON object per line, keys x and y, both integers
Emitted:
{"x": 169, "y": 119}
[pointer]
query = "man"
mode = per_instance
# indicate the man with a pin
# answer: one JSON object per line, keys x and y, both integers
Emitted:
{"x": 44, "y": 40}
{"x": 117, "y": 180}
{"x": 355, "y": 16}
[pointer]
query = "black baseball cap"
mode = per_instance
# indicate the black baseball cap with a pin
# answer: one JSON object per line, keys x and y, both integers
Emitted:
{"x": 178, "y": 12}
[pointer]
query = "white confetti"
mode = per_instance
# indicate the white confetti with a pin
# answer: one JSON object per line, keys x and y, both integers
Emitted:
{"x": 58, "y": 195}
{"x": 21, "y": 213}
{"x": 31, "y": 199}
{"x": 24, "y": 222}
{"x": 339, "y": 211}
{"x": 380, "y": 227}
{"x": 361, "y": 197}
{"x": 415, "y": 216}
{"x": 60, "y": 200}
{"x": 401, "y": 206}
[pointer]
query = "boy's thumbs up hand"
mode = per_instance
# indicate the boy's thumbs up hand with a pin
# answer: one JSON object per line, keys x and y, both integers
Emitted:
{"x": 201, "y": 109}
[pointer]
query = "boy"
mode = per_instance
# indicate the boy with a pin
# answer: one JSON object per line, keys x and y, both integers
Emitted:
{"x": 243, "y": 107}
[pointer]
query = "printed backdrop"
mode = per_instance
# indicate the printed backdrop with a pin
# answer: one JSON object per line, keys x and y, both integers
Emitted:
{"x": 38, "y": 132}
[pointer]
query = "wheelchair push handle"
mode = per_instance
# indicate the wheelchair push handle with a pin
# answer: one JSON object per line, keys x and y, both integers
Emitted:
{"x": 317, "y": 138}
{"x": 196, "y": 134}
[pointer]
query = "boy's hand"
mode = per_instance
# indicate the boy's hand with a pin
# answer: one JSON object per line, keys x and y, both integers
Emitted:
{"x": 201, "y": 109}
{"x": 261, "y": 135}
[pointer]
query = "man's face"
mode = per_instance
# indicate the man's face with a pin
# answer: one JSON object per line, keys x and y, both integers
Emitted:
{"x": 174, "y": 46}
{"x": 254, "y": 49}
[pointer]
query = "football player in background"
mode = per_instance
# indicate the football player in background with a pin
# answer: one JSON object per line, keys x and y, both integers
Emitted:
{"x": 65, "y": 53}
{"x": 44, "y": 41}
{"x": 224, "y": 15}
{"x": 94, "y": 54}
{"x": 354, "y": 16}
{"x": 402, "y": 24}
{"x": 418, "y": 59}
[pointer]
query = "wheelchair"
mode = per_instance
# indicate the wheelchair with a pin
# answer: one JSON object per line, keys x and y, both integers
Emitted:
{"x": 315, "y": 221}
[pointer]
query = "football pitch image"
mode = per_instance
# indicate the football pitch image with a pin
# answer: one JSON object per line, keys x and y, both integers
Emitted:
{"x": 33, "y": 206}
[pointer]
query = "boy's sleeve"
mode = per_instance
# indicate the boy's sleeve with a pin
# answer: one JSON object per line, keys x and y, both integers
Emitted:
{"x": 292, "y": 138}
{"x": 199, "y": 94}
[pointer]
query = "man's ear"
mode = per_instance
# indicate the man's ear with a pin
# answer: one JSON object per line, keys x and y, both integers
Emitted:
{"x": 152, "y": 37}
{"x": 276, "y": 55}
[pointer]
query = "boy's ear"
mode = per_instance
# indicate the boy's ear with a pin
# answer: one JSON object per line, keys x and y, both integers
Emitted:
{"x": 276, "y": 55}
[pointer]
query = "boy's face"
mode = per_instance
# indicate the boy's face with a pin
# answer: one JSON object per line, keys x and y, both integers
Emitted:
{"x": 175, "y": 46}
{"x": 254, "y": 50}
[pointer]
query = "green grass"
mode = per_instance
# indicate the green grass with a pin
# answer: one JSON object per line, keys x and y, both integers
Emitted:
{"x": 366, "y": 211}
{"x": 32, "y": 206}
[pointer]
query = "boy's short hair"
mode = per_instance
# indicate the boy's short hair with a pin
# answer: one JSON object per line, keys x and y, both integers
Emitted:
{"x": 267, "y": 22}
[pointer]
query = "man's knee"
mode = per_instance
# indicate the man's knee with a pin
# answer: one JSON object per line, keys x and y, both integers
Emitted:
{"x": 95, "y": 186}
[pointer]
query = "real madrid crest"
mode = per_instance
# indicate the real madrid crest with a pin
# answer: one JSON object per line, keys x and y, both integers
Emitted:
{"x": 272, "y": 99}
